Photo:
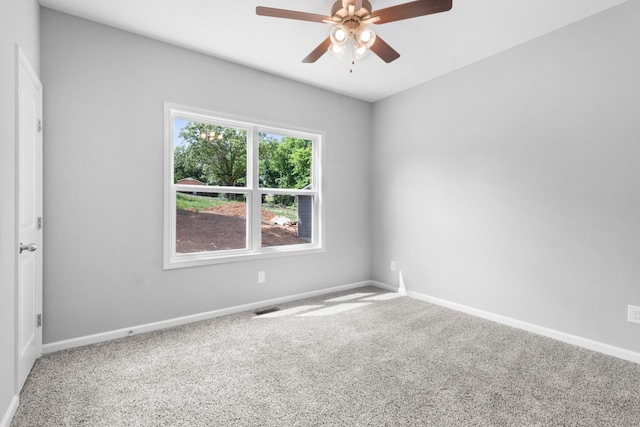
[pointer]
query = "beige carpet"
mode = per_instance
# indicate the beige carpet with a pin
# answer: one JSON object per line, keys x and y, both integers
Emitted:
{"x": 358, "y": 358}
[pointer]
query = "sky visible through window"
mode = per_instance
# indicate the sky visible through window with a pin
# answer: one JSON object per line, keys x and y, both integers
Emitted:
{"x": 178, "y": 124}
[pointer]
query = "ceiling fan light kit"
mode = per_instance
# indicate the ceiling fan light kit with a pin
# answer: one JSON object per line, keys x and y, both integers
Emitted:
{"x": 351, "y": 19}
{"x": 359, "y": 39}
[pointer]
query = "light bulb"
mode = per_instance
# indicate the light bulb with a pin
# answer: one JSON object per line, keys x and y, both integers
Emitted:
{"x": 337, "y": 50}
{"x": 339, "y": 35}
{"x": 367, "y": 37}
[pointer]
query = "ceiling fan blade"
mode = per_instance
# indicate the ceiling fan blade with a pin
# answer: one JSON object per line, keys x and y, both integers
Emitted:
{"x": 412, "y": 9}
{"x": 290, "y": 14}
{"x": 318, "y": 51}
{"x": 384, "y": 51}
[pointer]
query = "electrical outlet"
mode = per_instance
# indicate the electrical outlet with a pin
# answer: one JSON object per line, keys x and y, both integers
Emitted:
{"x": 634, "y": 314}
{"x": 393, "y": 266}
{"x": 261, "y": 277}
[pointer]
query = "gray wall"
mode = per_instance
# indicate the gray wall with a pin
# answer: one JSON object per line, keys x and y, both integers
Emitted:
{"x": 103, "y": 101}
{"x": 19, "y": 23}
{"x": 513, "y": 185}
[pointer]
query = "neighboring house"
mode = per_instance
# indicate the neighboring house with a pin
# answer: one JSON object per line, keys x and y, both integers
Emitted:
{"x": 305, "y": 210}
{"x": 305, "y": 214}
{"x": 189, "y": 181}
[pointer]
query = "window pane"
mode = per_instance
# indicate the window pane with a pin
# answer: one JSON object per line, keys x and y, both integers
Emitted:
{"x": 210, "y": 222}
{"x": 286, "y": 220}
{"x": 210, "y": 154}
{"x": 285, "y": 162}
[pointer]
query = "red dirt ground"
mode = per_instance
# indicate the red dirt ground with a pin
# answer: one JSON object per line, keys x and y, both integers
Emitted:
{"x": 223, "y": 227}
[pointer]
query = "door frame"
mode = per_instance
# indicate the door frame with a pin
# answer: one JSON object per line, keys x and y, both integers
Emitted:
{"x": 22, "y": 62}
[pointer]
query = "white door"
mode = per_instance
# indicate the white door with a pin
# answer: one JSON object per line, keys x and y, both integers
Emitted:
{"x": 29, "y": 217}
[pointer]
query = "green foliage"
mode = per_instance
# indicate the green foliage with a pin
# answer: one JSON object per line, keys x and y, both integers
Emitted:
{"x": 219, "y": 160}
{"x": 194, "y": 203}
{"x": 286, "y": 210}
{"x": 217, "y": 155}
{"x": 284, "y": 163}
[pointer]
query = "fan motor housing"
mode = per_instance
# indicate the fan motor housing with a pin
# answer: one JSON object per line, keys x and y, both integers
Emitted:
{"x": 337, "y": 7}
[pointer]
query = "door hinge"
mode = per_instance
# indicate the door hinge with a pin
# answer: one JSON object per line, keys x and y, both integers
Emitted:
{"x": 39, "y": 320}
{"x": 39, "y": 125}
{"x": 39, "y": 223}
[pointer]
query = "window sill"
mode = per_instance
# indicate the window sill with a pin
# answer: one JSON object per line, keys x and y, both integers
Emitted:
{"x": 212, "y": 258}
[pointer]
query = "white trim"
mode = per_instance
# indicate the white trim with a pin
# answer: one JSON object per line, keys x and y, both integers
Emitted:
{"x": 383, "y": 286}
{"x": 10, "y": 412}
{"x": 241, "y": 255}
{"x": 16, "y": 223}
{"x": 169, "y": 197}
{"x": 254, "y": 217}
{"x": 529, "y": 327}
{"x": 163, "y": 324}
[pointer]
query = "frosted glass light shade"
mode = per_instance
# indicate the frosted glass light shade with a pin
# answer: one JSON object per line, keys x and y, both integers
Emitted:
{"x": 337, "y": 50}
{"x": 367, "y": 37}
{"x": 339, "y": 35}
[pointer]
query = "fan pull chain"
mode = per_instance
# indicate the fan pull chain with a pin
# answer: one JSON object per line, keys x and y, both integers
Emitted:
{"x": 353, "y": 59}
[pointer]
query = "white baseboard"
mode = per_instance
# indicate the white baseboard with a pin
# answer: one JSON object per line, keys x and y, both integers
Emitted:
{"x": 10, "y": 412}
{"x": 529, "y": 327}
{"x": 149, "y": 327}
{"x": 540, "y": 330}
{"x": 383, "y": 286}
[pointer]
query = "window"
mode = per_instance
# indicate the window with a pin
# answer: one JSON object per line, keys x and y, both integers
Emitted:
{"x": 238, "y": 190}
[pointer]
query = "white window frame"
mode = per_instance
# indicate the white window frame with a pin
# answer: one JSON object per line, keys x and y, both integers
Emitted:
{"x": 252, "y": 190}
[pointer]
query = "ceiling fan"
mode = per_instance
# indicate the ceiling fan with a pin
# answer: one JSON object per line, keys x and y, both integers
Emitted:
{"x": 351, "y": 19}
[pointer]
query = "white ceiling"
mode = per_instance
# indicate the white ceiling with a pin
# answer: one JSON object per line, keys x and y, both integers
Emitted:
{"x": 430, "y": 46}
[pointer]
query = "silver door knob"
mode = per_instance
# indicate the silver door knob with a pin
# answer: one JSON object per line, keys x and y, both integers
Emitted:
{"x": 31, "y": 247}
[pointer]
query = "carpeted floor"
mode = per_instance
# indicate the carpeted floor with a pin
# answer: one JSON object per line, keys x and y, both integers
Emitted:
{"x": 358, "y": 360}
